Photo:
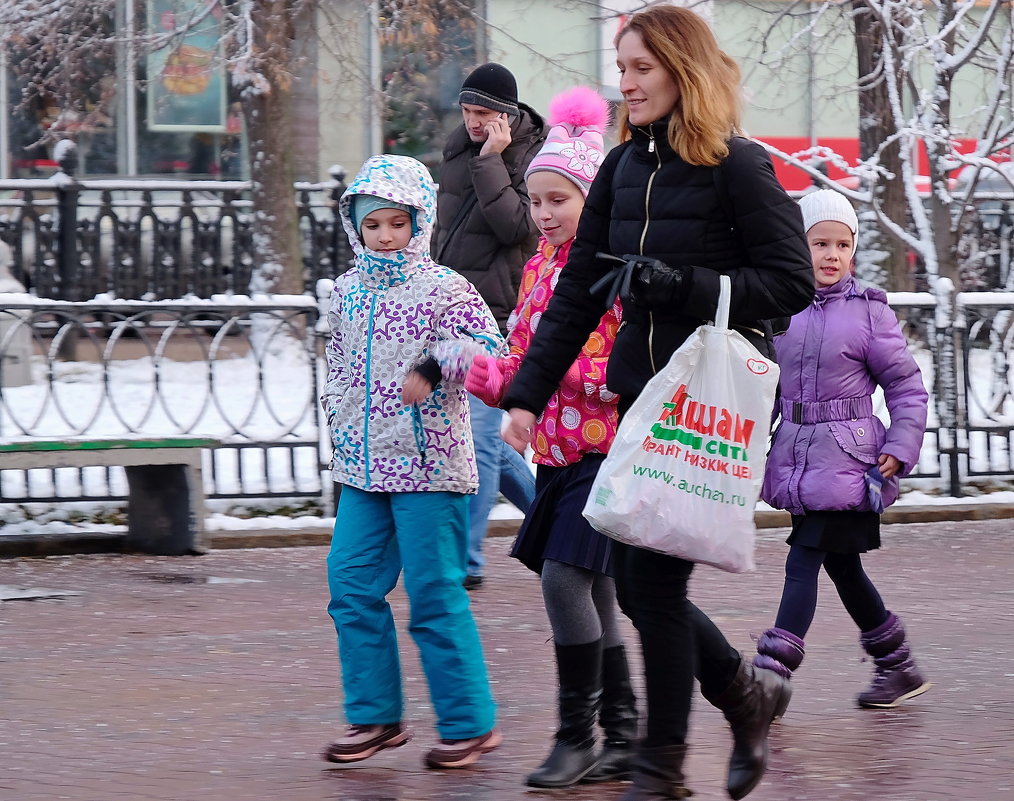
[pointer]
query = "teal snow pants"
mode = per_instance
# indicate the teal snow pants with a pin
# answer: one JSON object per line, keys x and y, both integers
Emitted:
{"x": 376, "y": 535}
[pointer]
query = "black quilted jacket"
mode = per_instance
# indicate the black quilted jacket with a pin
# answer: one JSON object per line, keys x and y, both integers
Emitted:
{"x": 647, "y": 200}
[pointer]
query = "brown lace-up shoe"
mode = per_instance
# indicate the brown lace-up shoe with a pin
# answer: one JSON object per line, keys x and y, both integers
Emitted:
{"x": 462, "y": 753}
{"x": 363, "y": 741}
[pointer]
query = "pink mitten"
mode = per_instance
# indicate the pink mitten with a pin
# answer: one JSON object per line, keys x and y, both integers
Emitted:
{"x": 574, "y": 377}
{"x": 485, "y": 379}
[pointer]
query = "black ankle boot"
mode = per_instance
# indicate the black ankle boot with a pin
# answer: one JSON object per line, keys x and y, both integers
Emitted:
{"x": 755, "y": 697}
{"x": 618, "y": 719}
{"x": 657, "y": 774}
{"x": 580, "y": 672}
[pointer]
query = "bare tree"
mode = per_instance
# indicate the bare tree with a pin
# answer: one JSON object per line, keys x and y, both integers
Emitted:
{"x": 884, "y": 254}
{"x": 63, "y": 47}
{"x": 911, "y": 54}
{"x": 929, "y": 46}
{"x": 261, "y": 47}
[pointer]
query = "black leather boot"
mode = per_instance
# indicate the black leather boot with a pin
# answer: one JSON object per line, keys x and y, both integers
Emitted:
{"x": 657, "y": 774}
{"x": 755, "y": 697}
{"x": 580, "y": 671}
{"x": 618, "y": 719}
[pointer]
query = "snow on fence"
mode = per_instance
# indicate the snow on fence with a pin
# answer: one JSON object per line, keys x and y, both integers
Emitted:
{"x": 248, "y": 372}
{"x": 239, "y": 370}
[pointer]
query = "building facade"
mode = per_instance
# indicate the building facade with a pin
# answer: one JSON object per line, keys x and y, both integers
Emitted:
{"x": 383, "y": 75}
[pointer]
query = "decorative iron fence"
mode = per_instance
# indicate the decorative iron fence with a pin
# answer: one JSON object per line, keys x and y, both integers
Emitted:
{"x": 249, "y": 374}
{"x": 243, "y": 373}
{"x": 155, "y": 239}
{"x": 75, "y": 240}
{"x": 963, "y": 343}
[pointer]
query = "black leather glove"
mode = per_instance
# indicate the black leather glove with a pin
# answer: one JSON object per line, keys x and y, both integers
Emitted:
{"x": 642, "y": 281}
{"x": 655, "y": 283}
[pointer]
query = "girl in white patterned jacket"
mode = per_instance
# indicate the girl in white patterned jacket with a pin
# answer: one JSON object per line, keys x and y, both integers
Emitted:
{"x": 403, "y": 332}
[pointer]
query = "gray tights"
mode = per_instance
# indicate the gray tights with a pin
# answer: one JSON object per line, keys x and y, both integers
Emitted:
{"x": 581, "y": 605}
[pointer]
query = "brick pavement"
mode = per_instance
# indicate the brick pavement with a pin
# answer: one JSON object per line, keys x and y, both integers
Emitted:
{"x": 178, "y": 678}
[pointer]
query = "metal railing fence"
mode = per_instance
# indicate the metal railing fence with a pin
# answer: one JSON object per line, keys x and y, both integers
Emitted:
{"x": 243, "y": 373}
{"x": 154, "y": 240}
{"x": 249, "y": 374}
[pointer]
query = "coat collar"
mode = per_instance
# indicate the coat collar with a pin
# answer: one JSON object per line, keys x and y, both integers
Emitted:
{"x": 658, "y": 131}
{"x": 845, "y": 288}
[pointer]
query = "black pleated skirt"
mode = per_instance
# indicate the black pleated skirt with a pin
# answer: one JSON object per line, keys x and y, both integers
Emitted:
{"x": 837, "y": 532}
{"x": 554, "y": 528}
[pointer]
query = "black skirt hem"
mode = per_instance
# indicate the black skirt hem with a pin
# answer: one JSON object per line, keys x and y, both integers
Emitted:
{"x": 836, "y": 531}
{"x": 554, "y": 527}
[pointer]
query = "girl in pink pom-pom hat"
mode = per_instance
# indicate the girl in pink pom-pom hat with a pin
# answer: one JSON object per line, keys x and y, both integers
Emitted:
{"x": 570, "y": 441}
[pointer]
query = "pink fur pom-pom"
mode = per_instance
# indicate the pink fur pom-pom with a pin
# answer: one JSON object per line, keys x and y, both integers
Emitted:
{"x": 580, "y": 107}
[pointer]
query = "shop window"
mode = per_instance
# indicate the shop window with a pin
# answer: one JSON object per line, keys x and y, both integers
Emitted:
{"x": 185, "y": 121}
{"x": 196, "y": 154}
{"x": 427, "y": 48}
{"x": 96, "y": 116}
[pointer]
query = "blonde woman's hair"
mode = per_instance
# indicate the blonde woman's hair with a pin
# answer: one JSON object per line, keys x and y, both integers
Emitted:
{"x": 707, "y": 79}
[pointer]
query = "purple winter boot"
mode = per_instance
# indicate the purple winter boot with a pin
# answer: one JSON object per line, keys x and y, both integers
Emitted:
{"x": 782, "y": 652}
{"x": 896, "y": 677}
{"x": 779, "y": 650}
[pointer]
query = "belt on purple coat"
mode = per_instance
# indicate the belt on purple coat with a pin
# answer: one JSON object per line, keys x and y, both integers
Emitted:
{"x": 808, "y": 412}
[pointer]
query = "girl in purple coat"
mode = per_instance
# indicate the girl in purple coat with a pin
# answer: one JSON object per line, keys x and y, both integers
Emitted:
{"x": 833, "y": 464}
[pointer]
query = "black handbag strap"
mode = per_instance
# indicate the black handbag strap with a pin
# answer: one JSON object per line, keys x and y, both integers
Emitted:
{"x": 718, "y": 178}
{"x": 463, "y": 211}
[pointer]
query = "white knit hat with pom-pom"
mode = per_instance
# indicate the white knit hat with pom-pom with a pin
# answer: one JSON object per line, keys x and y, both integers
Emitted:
{"x": 574, "y": 146}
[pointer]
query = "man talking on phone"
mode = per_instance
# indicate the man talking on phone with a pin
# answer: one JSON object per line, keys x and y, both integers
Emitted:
{"x": 484, "y": 231}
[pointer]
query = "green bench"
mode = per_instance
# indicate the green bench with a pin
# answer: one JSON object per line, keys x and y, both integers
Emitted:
{"x": 165, "y": 503}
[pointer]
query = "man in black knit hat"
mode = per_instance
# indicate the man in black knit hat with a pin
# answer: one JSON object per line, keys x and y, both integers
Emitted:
{"x": 485, "y": 232}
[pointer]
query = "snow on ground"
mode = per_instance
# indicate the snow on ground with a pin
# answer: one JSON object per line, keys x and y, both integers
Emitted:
{"x": 217, "y": 401}
{"x": 63, "y": 521}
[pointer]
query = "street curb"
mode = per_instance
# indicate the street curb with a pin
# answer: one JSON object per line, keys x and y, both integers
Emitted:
{"x": 99, "y": 542}
{"x": 766, "y": 519}
{"x": 925, "y": 513}
{"x": 60, "y": 544}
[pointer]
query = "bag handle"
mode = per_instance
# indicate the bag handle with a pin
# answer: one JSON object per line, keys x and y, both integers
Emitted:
{"x": 724, "y": 301}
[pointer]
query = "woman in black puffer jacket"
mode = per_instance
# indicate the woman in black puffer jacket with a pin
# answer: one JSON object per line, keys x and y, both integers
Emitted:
{"x": 682, "y": 201}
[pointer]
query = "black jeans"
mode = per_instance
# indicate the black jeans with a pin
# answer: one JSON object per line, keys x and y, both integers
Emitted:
{"x": 678, "y": 641}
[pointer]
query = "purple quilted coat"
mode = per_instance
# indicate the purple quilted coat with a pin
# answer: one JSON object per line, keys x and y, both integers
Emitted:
{"x": 835, "y": 353}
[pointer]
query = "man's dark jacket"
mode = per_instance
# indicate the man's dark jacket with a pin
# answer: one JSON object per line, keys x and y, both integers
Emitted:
{"x": 646, "y": 200}
{"x": 484, "y": 229}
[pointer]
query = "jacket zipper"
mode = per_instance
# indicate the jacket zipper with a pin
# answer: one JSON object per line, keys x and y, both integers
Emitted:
{"x": 478, "y": 337}
{"x": 644, "y": 233}
{"x": 366, "y": 404}
{"x": 647, "y": 192}
{"x": 419, "y": 431}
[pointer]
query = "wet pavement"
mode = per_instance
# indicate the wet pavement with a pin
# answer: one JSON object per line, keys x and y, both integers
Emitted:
{"x": 215, "y": 677}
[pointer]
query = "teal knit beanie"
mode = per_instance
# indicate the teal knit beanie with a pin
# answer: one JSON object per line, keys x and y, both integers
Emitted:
{"x": 363, "y": 205}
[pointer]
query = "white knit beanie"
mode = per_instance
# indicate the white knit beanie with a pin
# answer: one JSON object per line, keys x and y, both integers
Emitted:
{"x": 826, "y": 205}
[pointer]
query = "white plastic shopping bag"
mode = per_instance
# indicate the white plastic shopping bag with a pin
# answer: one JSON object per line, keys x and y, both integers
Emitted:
{"x": 684, "y": 472}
